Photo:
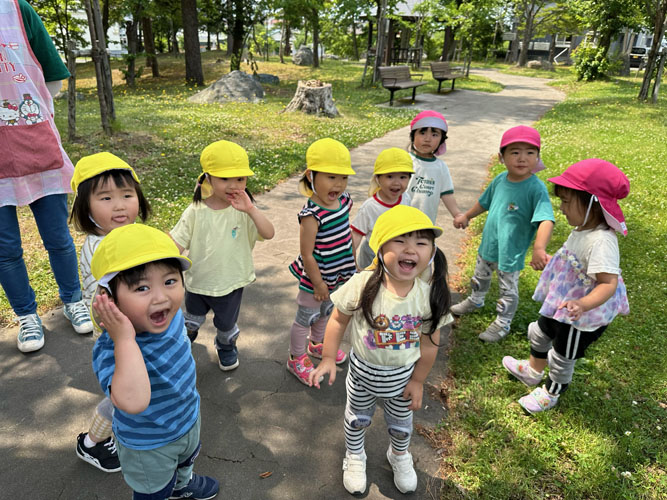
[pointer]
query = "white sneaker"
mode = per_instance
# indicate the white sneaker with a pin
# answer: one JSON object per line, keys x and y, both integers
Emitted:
{"x": 354, "y": 473}
{"x": 405, "y": 477}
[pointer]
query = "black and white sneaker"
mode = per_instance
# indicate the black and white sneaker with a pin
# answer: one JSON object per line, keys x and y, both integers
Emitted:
{"x": 103, "y": 455}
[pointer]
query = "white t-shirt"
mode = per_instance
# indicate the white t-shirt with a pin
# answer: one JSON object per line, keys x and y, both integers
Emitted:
{"x": 88, "y": 281}
{"x": 596, "y": 249}
{"x": 220, "y": 244}
{"x": 398, "y": 343}
{"x": 364, "y": 221}
{"x": 430, "y": 181}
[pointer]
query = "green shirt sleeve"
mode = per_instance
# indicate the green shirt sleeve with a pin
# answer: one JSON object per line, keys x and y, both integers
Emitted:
{"x": 46, "y": 53}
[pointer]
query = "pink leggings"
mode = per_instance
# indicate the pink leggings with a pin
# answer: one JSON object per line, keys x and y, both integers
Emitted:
{"x": 311, "y": 318}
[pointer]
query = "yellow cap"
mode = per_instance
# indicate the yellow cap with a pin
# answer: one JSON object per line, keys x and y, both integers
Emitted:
{"x": 329, "y": 156}
{"x": 389, "y": 161}
{"x": 398, "y": 220}
{"x": 129, "y": 246}
{"x": 225, "y": 159}
{"x": 92, "y": 165}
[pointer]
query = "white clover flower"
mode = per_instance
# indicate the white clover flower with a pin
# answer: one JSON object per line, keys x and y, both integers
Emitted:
{"x": 627, "y": 433}
{"x": 634, "y": 403}
{"x": 626, "y": 474}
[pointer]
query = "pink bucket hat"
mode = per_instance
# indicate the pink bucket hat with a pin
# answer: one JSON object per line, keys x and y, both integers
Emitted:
{"x": 525, "y": 134}
{"x": 605, "y": 182}
{"x": 431, "y": 119}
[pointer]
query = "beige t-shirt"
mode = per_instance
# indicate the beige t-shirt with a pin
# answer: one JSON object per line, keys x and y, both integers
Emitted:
{"x": 398, "y": 342}
{"x": 220, "y": 244}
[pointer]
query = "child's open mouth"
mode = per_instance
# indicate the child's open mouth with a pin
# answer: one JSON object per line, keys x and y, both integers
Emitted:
{"x": 407, "y": 265}
{"x": 159, "y": 318}
{"x": 333, "y": 195}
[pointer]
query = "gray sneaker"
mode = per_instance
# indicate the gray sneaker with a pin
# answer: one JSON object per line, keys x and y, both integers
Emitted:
{"x": 31, "y": 334}
{"x": 79, "y": 315}
{"x": 494, "y": 333}
{"x": 464, "y": 307}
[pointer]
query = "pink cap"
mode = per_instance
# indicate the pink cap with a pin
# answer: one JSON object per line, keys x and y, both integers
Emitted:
{"x": 431, "y": 119}
{"x": 603, "y": 180}
{"x": 522, "y": 133}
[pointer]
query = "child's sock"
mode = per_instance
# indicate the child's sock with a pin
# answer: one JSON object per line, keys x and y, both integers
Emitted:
{"x": 87, "y": 442}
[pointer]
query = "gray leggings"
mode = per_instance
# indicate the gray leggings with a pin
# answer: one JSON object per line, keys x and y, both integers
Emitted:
{"x": 509, "y": 289}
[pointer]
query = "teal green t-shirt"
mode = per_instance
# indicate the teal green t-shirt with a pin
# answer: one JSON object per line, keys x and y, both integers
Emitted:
{"x": 46, "y": 53}
{"x": 515, "y": 211}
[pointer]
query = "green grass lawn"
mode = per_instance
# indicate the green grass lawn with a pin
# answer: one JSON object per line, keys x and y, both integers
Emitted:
{"x": 161, "y": 134}
{"x": 606, "y": 439}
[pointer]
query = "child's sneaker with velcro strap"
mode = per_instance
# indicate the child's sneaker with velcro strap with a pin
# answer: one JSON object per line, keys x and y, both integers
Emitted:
{"x": 103, "y": 455}
{"x": 301, "y": 367}
{"x": 315, "y": 350}
{"x": 405, "y": 477}
{"x": 494, "y": 332}
{"x": 522, "y": 370}
{"x": 464, "y": 307}
{"x": 354, "y": 473}
{"x": 538, "y": 401}
{"x": 199, "y": 488}
{"x": 228, "y": 357}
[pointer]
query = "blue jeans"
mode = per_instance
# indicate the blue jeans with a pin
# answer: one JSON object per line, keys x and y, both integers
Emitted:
{"x": 50, "y": 214}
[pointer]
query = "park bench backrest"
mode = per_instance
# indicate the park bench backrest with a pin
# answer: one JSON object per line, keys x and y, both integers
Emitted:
{"x": 443, "y": 68}
{"x": 394, "y": 73}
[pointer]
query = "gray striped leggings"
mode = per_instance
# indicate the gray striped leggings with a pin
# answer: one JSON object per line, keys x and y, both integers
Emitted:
{"x": 365, "y": 384}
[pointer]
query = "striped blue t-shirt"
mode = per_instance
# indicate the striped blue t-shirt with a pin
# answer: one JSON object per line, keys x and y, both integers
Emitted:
{"x": 174, "y": 405}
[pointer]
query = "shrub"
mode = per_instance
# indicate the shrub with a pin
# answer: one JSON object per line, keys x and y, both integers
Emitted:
{"x": 590, "y": 63}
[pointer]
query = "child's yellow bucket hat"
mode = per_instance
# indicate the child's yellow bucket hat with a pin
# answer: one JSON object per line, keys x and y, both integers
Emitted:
{"x": 92, "y": 165}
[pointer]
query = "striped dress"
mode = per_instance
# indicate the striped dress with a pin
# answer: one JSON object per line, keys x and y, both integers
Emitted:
{"x": 333, "y": 245}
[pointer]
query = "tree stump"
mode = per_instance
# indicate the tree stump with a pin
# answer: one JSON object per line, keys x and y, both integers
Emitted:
{"x": 313, "y": 97}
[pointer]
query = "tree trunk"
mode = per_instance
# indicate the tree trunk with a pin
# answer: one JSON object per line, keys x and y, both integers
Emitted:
{"x": 658, "y": 34}
{"x": 281, "y": 50}
{"x": 105, "y": 18}
{"x": 174, "y": 39}
{"x": 288, "y": 44}
{"x": 71, "y": 90}
{"x": 527, "y": 37}
{"x": 658, "y": 78}
{"x": 355, "y": 45}
{"x": 316, "y": 39}
{"x": 448, "y": 44}
{"x": 208, "y": 39}
{"x": 131, "y": 33}
{"x": 238, "y": 37}
{"x": 552, "y": 48}
{"x": 149, "y": 42}
{"x": 194, "y": 75}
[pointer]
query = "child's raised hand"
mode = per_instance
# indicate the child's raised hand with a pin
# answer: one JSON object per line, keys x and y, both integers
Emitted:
{"x": 321, "y": 292}
{"x": 326, "y": 366}
{"x": 240, "y": 200}
{"x": 540, "y": 259}
{"x": 112, "y": 319}
{"x": 414, "y": 391}
{"x": 574, "y": 309}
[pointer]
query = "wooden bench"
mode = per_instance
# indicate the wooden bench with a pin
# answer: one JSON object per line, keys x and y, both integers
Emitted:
{"x": 395, "y": 78}
{"x": 442, "y": 71}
